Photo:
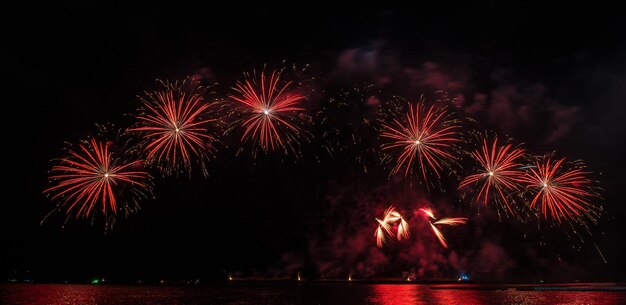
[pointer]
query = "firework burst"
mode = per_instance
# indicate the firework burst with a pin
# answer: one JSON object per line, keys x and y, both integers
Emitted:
{"x": 93, "y": 178}
{"x": 173, "y": 125}
{"x": 390, "y": 218}
{"x": 563, "y": 192}
{"x": 500, "y": 173}
{"x": 443, "y": 221}
{"x": 271, "y": 110}
{"x": 421, "y": 139}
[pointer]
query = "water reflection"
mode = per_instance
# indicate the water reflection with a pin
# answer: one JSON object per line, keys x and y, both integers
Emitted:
{"x": 422, "y": 294}
{"x": 300, "y": 294}
{"x": 466, "y": 297}
{"x": 395, "y": 294}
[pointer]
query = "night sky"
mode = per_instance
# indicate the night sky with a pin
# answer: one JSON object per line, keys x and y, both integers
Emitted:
{"x": 552, "y": 78}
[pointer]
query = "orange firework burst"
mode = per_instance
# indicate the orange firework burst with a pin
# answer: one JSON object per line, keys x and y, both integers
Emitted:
{"x": 422, "y": 138}
{"x": 384, "y": 226}
{"x": 271, "y": 111}
{"x": 500, "y": 173}
{"x": 443, "y": 221}
{"x": 92, "y": 176}
{"x": 564, "y": 193}
{"x": 173, "y": 125}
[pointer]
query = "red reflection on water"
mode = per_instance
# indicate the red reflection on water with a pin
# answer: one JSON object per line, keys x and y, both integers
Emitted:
{"x": 466, "y": 297}
{"x": 308, "y": 294}
{"x": 420, "y": 294}
{"x": 575, "y": 298}
{"x": 424, "y": 295}
{"x": 395, "y": 294}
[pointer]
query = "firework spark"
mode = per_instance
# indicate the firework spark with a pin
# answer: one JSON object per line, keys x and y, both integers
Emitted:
{"x": 173, "y": 125}
{"x": 443, "y": 221}
{"x": 500, "y": 173}
{"x": 563, "y": 193}
{"x": 271, "y": 111}
{"x": 423, "y": 139}
{"x": 92, "y": 176}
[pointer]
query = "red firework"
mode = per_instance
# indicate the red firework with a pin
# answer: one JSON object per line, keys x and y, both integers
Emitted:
{"x": 563, "y": 193}
{"x": 501, "y": 173}
{"x": 423, "y": 138}
{"x": 92, "y": 177}
{"x": 174, "y": 126}
{"x": 271, "y": 111}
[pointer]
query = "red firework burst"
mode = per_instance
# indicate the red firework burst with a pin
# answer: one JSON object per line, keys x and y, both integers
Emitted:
{"x": 271, "y": 111}
{"x": 564, "y": 193}
{"x": 173, "y": 125}
{"x": 422, "y": 138}
{"x": 92, "y": 176}
{"x": 501, "y": 173}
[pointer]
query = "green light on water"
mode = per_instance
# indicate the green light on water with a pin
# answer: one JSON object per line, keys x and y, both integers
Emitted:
{"x": 95, "y": 281}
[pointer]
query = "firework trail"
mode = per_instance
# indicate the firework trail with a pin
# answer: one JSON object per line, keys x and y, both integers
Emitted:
{"x": 93, "y": 177}
{"x": 439, "y": 235}
{"x": 421, "y": 138}
{"x": 384, "y": 226}
{"x": 563, "y": 192}
{"x": 173, "y": 126}
{"x": 392, "y": 216}
{"x": 500, "y": 174}
{"x": 443, "y": 221}
{"x": 428, "y": 212}
{"x": 271, "y": 111}
{"x": 403, "y": 229}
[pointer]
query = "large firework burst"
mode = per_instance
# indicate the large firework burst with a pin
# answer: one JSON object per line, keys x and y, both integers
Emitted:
{"x": 93, "y": 178}
{"x": 563, "y": 191}
{"x": 421, "y": 139}
{"x": 271, "y": 111}
{"x": 173, "y": 124}
{"x": 500, "y": 173}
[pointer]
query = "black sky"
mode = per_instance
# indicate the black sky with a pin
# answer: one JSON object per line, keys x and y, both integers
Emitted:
{"x": 68, "y": 66}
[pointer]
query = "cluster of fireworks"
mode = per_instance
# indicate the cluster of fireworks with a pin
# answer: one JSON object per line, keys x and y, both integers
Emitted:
{"x": 176, "y": 128}
{"x": 427, "y": 141}
{"x": 179, "y": 126}
{"x": 393, "y": 220}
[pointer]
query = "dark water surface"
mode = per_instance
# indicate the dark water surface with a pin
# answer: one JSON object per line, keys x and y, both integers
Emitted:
{"x": 309, "y": 293}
